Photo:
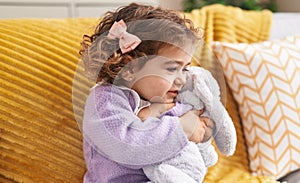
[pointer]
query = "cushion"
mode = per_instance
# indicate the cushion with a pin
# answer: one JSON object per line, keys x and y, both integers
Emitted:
{"x": 39, "y": 139}
{"x": 265, "y": 81}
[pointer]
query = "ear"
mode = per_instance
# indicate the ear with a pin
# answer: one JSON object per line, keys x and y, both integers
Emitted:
{"x": 127, "y": 74}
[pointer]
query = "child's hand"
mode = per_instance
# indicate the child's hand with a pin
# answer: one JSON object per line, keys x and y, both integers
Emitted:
{"x": 154, "y": 110}
{"x": 198, "y": 133}
{"x": 193, "y": 126}
{"x": 209, "y": 128}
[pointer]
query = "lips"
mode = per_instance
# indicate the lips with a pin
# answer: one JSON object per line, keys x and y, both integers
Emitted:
{"x": 173, "y": 93}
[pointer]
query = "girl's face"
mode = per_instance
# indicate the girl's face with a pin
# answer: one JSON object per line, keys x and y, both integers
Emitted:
{"x": 160, "y": 79}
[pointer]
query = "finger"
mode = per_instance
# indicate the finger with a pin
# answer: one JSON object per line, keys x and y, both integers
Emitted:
{"x": 201, "y": 111}
{"x": 196, "y": 112}
{"x": 170, "y": 105}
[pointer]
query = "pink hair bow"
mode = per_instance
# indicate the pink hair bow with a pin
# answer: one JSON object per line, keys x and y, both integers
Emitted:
{"x": 127, "y": 41}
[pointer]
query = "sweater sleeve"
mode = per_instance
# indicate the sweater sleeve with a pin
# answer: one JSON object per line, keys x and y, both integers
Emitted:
{"x": 111, "y": 126}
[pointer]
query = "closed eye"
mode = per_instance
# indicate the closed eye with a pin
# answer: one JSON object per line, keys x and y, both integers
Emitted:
{"x": 173, "y": 66}
{"x": 171, "y": 69}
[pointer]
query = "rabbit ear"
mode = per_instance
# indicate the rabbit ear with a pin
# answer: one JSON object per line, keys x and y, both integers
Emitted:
{"x": 225, "y": 137}
{"x": 210, "y": 81}
{"x": 202, "y": 90}
{"x": 212, "y": 84}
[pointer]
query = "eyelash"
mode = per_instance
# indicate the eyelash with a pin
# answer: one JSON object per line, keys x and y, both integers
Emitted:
{"x": 186, "y": 69}
{"x": 172, "y": 69}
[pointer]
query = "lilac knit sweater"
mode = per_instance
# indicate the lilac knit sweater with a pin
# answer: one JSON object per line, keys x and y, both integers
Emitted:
{"x": 117, "y": 145}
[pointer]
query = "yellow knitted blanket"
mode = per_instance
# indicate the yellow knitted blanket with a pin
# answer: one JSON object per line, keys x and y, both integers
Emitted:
{"x": 39, "y": 137}
{"x": 232, "y": 24}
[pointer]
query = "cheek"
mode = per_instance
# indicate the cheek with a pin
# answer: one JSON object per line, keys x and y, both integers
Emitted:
{"x": 149, "y": 87}
{"x": 158, "y": 82}
{"x": 160, "y": 88}
{"x": 164, "y": 84}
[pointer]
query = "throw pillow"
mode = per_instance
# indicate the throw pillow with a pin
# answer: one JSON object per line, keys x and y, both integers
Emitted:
{"x": 265, "y": 81}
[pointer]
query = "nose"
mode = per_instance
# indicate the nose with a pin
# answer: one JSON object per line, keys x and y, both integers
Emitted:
{"x": 180, "y": 80}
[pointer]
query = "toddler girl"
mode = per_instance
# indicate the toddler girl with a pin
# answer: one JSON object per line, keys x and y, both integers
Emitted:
{"x": 138, "y": 56}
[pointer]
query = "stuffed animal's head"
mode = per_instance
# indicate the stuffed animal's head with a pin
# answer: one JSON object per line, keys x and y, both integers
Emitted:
{"x": 202, "y": 91}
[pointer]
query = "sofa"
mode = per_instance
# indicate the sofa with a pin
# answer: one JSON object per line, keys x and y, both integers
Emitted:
{"x": 40, "y": 140}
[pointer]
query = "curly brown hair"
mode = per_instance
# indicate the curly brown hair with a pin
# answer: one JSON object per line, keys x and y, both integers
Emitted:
{"x": 156, "y": 27}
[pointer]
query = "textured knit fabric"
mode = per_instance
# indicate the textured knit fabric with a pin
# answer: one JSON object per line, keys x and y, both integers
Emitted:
{"x": 118, "y": 144}
{"x": 232, "y": 24}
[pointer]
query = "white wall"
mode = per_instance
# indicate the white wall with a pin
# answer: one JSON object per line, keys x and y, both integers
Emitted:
{"x": 61, "y": 8}
{"x": 171, "y": 4}
{"x": 93, "y": 8}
